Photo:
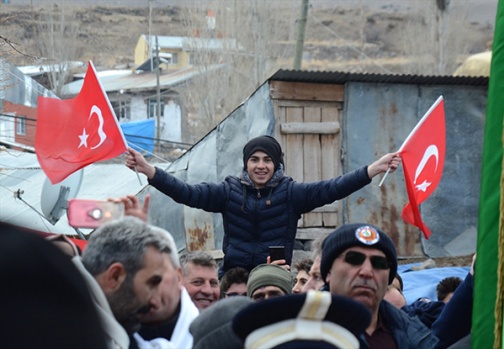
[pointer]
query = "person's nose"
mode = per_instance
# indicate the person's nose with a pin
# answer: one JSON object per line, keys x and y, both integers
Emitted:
{"x": 366, "y": 269}
{"x": 310, "y": 285}
{"x": 155, "y": 301}
{"x": 206, "y": 288}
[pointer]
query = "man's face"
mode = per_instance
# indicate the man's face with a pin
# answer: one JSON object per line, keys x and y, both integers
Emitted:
{"x": 394, "y": 296}
{"x": 315, "y": 281}
{"x": 267, "y": 292}
{"x": 260, "y": 168}
{"x": 236, "y": 290}
{"x": 202, "y": 285}
{"x": 396, "y": 283}
{"x": 133, "y": 298}
{"x": 165, "y": 304}
{"x": 300, "y": 280}
{"x": 363, "y": 283}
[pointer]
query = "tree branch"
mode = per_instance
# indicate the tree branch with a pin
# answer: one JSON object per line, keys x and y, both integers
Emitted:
{"x": 11, "y": 44}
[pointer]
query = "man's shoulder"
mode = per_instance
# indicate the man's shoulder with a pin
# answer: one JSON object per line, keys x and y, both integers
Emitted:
{"x": 397, "y": 318}
{"x": 232, "y": 179}
{"x": 410, "y": 329}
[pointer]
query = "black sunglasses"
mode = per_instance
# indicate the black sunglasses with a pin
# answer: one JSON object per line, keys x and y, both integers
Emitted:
{"x": 357, "y": 258}
{"x": 232, "y": 294}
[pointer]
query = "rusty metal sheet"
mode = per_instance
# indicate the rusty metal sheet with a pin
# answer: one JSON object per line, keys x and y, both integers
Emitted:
{"x": 376, "y": 119}
{"x": 214, "y": 157}
{"x": 389, "y": 113}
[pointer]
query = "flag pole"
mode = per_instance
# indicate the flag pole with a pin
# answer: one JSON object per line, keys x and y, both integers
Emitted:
{"x": 440, "y": 98}
{"x": 138, "y": 176}
{"x": 383, "y": 179}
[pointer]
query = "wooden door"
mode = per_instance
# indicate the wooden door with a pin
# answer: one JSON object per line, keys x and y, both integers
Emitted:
{"x": 308, "y": 119}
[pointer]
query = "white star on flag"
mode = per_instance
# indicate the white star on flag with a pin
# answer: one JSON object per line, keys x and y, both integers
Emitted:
{"x": 423, "y": 187}
{"x": 83, "y": 138}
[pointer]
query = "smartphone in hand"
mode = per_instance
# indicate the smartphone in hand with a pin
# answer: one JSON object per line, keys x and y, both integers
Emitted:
{"x": 276, "y": 253}
{"x": 92, "y": 213}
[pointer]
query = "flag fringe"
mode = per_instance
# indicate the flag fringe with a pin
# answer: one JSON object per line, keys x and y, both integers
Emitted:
{"x": 500, "y": 267}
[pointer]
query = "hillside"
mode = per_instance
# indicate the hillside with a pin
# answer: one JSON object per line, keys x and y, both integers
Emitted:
{"x": 364, "y": 38}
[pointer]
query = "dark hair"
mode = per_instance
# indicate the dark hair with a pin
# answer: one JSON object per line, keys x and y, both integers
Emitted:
{"x": 305, "y": 265}
{"x": 399, "y": 278}
{"x": 447, "y": 286}
{"x": 235, "y": 275}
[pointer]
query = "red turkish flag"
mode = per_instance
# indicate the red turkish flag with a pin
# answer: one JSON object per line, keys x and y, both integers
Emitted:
{"x": 423, "y": 154}
{"x": 74, "y": 133}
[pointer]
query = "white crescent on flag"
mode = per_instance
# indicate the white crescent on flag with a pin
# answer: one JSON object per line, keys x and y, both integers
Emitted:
{"x": 103, "y": 136}
{"x": 431, "y": 150}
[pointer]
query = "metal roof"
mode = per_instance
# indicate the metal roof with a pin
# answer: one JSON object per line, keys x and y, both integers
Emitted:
{"x": 141, "y": 81}
{"x": 35, "y": 70}
{"x": 335, "y": 77}
{"x": 192, "y": 43}
{"x": 19, "y": 88}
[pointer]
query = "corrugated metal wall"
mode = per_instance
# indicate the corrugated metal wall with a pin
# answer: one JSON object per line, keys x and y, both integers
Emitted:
{"x": 214, "y": 157}
{"x": 376, "y": 120}
{"x": 18, "y": 88}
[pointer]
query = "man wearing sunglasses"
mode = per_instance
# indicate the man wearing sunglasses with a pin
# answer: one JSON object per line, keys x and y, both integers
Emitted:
{"x": 359, "y": 261}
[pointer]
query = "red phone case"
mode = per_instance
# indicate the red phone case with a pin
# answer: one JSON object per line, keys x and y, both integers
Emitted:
{"x": 92, "y": 213}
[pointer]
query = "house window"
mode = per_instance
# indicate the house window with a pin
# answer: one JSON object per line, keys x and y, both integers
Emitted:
{"x": 122, "y": 109}
{"x": 151, "y": 108}
{"x": 21, "y": 125}
{"x": 174, "y": 59}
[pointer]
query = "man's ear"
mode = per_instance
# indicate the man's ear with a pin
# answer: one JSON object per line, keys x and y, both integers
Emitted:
{"x": 327, "y": 278}
{"x": 180, "y": 277}
{"x": 113, "y": 277}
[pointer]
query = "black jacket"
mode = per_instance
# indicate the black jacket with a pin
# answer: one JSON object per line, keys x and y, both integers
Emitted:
{"x": 255, "y": 219}
{"x": 408, "y": 332}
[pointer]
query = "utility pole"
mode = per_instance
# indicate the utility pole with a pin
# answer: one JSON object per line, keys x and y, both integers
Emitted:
{"x": 298, "y": 58}
{"x": 442, "y": 6}
{"x": 158, "y": 101}
{"x": 149, "y": 38}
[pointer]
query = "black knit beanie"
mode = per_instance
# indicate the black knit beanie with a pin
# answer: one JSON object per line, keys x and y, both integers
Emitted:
{"x": 358, "y": 234}
{"x": 267, "y": 144}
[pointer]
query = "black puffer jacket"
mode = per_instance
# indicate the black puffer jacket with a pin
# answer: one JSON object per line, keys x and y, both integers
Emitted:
{"x": 255, "y": 219}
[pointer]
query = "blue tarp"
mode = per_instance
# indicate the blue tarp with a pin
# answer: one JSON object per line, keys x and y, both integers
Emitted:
{"x": 422, "y": 283}
{"x": 140, "y": 135}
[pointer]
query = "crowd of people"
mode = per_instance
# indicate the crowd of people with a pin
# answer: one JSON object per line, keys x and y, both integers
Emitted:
{"x": 129, "y": 288}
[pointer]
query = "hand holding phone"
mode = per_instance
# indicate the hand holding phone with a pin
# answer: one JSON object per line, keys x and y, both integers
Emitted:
{"x": 93, "y": 213}
{"x": 276, "y": 253}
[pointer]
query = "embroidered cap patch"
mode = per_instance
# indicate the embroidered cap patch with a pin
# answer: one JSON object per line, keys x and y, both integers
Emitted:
{"x": 367, "y": 235}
